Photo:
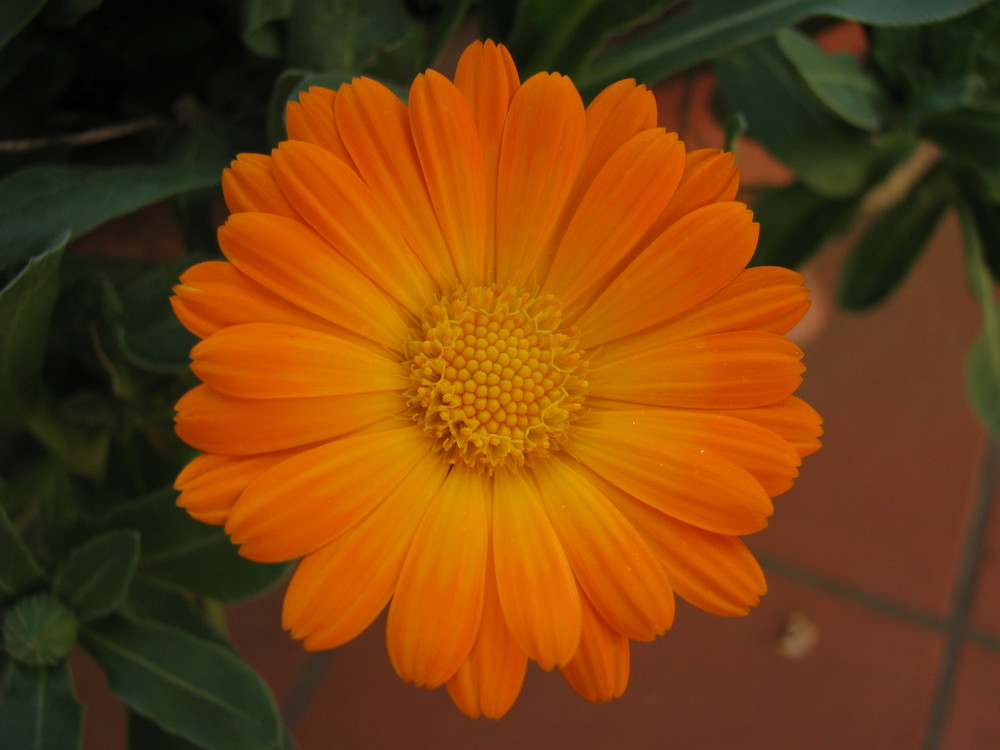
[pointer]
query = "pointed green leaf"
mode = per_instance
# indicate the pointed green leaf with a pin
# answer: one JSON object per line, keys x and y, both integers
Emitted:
{"x": 15, "y": 15}
{"x": 982, "y": 377}
{"x": 189, "y": 686}
{"x": 39, "y": 201}
{"x": 832, "y": 158}
{"x": 18, "y": 569}
{"x": 38, "y": 710}
{"x": 836, "y": 80}
{"x": 95, "y": 576}
{"x": 985, "y": 219}
{"x": 883, "y": 256}
{"x": 708, "y": 28}
{"x": 25, "y": 308}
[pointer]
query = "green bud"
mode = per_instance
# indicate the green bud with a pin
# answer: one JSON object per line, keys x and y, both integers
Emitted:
{"x": 39, "y": 630}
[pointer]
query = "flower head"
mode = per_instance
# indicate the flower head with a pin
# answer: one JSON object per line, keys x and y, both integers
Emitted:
{"x": 493, "y": 359}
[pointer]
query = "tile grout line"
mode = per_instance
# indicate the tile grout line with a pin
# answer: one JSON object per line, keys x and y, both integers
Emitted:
{"x": 957, "y": 629}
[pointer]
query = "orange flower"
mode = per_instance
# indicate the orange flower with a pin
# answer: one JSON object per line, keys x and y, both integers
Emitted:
{"x": 494, "y": 359}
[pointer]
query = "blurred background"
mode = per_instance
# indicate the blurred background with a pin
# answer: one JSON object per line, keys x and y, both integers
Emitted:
{"x": 881, "y": 627}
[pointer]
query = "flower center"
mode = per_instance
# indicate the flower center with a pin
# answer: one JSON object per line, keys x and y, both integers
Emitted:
{"x": 494, "y": 378}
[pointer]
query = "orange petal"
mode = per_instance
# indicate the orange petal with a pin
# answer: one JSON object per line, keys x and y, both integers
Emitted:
{"x": 452, "y": 160}
{"x": 710, "y": 176}
{"x": 210, "y": 484}
{"x": 311, "y": 119}
{"x": 599, "y": 670}
{"x": 488, "y": 79}
{"x": 615, "y": 567}
{"x": 540, "y": 154}
{"x": 685, "y": 464}
{"x": 294, "y": 262}
{"x": 248, "y": 185}
{"x": 273, "y": 360}
{"x": 338, "y": 590}
{"x": 304, "y": 502}
{"x": 213, "y": 422}
{"x": 625, "y": 197}
{"x": 539, "y": 594}
{"x": 489, "y": 681}
{"x": 714, "y": 572}
{"x": 434, "y": 616}
{"x": 338, "y": 204}
{"x": 375, "y": 127}
{"x": 793, "y": 419}
{"x": 763, "y": 298}
{"x": 619, "y": 112}
{"x": 214, "y": 294}
{"x": 722, "y": 371}
{"x": 692, "y": 260}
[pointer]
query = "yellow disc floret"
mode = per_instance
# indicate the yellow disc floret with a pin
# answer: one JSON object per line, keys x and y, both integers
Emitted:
{"x": 494, "y": 378}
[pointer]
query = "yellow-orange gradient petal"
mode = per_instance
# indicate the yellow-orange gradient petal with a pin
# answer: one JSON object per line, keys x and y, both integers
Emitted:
{"x": 273, "y": 360}
{"x": 599, "y": 670}
{"x": 538, "y": 592}
{"x": 741, "y": 369}
{"x": 625, "y": 197}
{"x": 375, "y": 126}
{"x": 297, "y": 264}
{"x": 665, "y": 458}
{"x": 338, "y": 590}
{"x": 209, "y": 485}
{"x": 213, "y": 422}
{"x": 714, "y": 572}
{"x": 452, "y": 161}
{"x": 214, "y": 294}
{"x": 636, "y": 599}
{"x": 338, "y": 204}
{"x": 434, "y": 616}
{"x": 311, "y": 119}
{"x": 540, "y": 154}
{"x": 248, "y": 185}
{"x": 671, "y": 275}
{"x": 487, "y": 78}
{"x": 793, "y": 419}
{"x": 334, "y": 485}
{"x": 488, "y": 682}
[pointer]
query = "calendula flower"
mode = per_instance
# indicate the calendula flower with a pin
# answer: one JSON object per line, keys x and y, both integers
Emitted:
{"x": 493, "y": 359}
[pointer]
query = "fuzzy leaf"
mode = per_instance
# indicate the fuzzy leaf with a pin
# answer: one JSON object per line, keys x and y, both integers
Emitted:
{"x": 38, "y": 710}
{"x": 96, "y": 575}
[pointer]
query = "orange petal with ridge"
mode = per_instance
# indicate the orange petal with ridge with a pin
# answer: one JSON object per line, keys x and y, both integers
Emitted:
{"x": 600, "y": 668}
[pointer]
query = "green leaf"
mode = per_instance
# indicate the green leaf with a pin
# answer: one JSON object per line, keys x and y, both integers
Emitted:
{"x": 343, "y": 34}
{"x": 190, "y": 554}
{"x": 709, "y": 28}
{"x": 985, "y": 221}
{"x": 148, "y": 331}
{"x": 40, "y": 201}
{"x": 38, "y": 710}
{"x": 25, "y": 308}
{"x": 560, "y": 34}
{"x": 94, "y": 578}
{"x": 166, "y": 604}
{"x": 15, "y": 15}
{"x": 883, "y": 256}
{"x": 830, "y": 157}
{"x": 189, "y": 686}
{"x": 146, "y": 734}
{"x": 982, "y": 376}
{"x": 837, "y": 80}
{"x": 261, "y": 31}
{"x": 970, "y": 138}
{"x": 83, "y": 450}
{"x": 19, "y": 571}
{"x": 39, "y": 630}
{"x": 982, "y": 362}
{"x": 795, "y": 222}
